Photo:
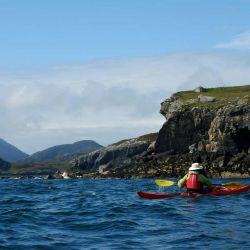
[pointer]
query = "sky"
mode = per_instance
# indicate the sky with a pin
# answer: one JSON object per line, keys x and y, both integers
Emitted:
{"x": 72, "y": 70}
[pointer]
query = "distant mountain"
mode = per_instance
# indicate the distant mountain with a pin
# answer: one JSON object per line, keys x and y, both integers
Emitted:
{"x": 63, "y": 151}
{"x": 10, "y": 153}
{"x": 4, "y": 165}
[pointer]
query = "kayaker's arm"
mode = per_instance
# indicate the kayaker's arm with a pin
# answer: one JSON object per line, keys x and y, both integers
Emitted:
{"x": 204, "y": 180}
{"x": 182, "y": 181}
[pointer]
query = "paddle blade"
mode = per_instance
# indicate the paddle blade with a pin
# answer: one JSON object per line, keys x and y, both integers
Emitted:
{"x": 164, "y": 183}
{"x": 231, "y": 184}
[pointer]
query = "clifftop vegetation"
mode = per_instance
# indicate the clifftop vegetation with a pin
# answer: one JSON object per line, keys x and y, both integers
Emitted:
{"x": 222, "y": 96}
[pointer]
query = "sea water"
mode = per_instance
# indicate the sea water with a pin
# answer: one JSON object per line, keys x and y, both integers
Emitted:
{"x": 108, "y": 214}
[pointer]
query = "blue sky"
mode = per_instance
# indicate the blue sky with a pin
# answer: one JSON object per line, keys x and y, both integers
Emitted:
{"x": 74, "y": 70}
{"x": 40, "y": 33}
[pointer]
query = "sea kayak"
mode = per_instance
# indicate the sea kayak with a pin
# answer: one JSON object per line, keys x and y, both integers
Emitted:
{"x": 217, "y": 191}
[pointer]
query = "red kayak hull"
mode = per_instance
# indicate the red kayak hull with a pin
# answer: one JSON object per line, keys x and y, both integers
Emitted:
{"x": 217, "y": 191}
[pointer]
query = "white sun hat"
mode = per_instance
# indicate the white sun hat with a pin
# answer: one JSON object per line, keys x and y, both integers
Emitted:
{"x": 195, "y": 166}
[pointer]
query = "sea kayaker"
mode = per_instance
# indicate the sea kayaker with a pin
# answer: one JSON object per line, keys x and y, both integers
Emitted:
{"x": 195, "y": 180}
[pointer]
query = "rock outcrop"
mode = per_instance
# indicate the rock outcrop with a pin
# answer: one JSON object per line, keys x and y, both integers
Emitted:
{"x": 112, "y": 157}
{"x": 216, "y": 134}
{"x": 230, "y": 129}
{"x": 184, "y": 126}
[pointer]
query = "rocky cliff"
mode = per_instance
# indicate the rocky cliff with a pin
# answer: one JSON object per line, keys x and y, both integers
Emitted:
{"x": 213, "y": 129}
{"x": 113, "y": 158}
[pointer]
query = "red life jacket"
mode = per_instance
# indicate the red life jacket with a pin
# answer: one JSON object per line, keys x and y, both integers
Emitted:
{"x": 193, "y": 183}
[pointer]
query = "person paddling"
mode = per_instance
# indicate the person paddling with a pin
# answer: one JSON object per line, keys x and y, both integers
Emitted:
{"x": 195, "y": 180}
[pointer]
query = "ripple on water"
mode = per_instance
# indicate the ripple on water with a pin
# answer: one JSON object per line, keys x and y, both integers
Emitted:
{"x": 107, "y": 214}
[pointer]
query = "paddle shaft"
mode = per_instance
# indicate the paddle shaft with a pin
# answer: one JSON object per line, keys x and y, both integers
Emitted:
{"x": 168, "y": 183}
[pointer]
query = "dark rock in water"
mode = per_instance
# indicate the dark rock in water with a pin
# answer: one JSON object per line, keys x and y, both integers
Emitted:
{"x": 49, "y": 177}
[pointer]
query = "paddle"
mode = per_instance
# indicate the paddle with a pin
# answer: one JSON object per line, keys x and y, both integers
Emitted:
{"x": 168, "y": 183}
{"x": 165, "y": 183}
{"x": 229, "y": 184}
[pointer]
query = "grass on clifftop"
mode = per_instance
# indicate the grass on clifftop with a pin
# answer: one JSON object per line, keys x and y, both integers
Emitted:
{"x": 222, "y": 95}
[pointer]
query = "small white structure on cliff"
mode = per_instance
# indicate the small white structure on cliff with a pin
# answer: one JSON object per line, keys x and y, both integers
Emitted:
{"x": 200, "y": 89}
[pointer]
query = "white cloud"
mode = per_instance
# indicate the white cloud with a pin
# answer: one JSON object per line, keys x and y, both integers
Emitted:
{"x": 105, "y": 100}
{"x": 241, "y": 41}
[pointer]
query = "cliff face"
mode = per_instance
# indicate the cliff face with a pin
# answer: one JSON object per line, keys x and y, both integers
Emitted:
{"x": 184, "y": 126}
{"x": 230, "y": 129}
{"x": 218, "y": 137}
{"x": 111, "y": 158}
{"x": 213, "y": 130}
